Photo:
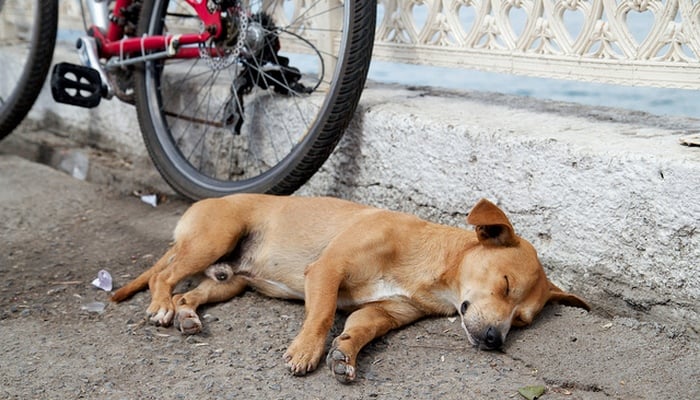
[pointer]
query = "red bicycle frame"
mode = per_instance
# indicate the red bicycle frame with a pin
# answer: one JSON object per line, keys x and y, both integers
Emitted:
{"x": 114, "y": 44}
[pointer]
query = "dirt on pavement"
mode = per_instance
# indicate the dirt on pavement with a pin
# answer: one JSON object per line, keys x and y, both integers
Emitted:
{"x": 57, "y": 232}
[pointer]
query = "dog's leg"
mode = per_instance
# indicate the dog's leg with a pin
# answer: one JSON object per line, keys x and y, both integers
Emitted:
{"x": 209, "y": 291}
{"x": 362, "y": 326}
{"x": 186, "y": 262}
{"x": 322, "y": 280}
{"x": 199, "y": 243}
{"x": 141, "y": 281}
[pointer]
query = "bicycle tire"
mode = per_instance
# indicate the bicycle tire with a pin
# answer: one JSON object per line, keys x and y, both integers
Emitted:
{"x": 18, "y": 99}
{"x": 201, "y": 175}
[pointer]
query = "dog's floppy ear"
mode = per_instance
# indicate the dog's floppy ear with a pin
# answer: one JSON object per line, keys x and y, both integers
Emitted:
{"x": 492, "y": 225}
{"x": 557, "y": 295}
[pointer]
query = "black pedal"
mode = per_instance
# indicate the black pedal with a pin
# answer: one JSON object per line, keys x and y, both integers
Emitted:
{"x": 76, "y": 85}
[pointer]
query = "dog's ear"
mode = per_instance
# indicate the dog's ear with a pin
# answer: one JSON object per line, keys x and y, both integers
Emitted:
{"x": 492, "y": 225}
{"x": 557, "y": 295}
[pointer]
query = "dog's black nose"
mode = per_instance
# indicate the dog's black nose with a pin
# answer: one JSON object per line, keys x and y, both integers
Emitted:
{"x": 492, "y": 339}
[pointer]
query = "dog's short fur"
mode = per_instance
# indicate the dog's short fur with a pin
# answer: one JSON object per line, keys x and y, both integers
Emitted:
{"x": 385, "y": 268}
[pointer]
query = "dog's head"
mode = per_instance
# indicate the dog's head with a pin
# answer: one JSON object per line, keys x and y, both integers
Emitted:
{"x": 502, "y": 281}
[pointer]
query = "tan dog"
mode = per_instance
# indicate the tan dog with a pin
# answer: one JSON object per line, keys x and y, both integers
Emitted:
{"x": 386, "y": 268}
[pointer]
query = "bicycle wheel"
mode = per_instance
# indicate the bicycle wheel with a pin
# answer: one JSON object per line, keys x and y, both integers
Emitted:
{"x": 27, "y": 40}
{"x": 261, "y": 109}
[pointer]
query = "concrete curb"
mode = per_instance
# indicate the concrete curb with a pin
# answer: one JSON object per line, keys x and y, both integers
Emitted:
{"x": 608, "y": 197}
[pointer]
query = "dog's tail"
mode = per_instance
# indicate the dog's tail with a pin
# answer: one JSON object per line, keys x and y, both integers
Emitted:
{"x": 141, "y": 282}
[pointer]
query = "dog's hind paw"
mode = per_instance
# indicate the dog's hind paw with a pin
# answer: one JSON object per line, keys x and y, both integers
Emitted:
{"x": 188, "y": 322}
{"x": 340, "y": 366}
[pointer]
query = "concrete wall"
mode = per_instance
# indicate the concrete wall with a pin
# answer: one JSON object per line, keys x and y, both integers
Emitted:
{"x": 609, "y": 197}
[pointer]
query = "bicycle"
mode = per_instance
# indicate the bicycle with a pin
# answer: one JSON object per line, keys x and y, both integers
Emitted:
{"x": 231, "y": 96}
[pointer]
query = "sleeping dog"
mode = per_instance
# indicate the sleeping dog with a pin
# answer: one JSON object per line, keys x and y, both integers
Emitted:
{"x": 385, "y": 268}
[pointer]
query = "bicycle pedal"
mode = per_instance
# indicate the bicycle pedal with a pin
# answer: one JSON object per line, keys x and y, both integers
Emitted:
{"x": 76, "y": 85}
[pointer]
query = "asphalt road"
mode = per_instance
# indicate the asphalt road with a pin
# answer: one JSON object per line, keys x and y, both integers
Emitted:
{"x": 57, "y": 232}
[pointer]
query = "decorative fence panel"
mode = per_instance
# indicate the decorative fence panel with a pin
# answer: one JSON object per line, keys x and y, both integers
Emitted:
{"x": 630, "y": 42}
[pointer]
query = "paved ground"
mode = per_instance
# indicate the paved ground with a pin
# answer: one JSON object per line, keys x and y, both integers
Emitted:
{"x": 57, "y": 232}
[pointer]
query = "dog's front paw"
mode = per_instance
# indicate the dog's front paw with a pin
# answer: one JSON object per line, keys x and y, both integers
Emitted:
{"x": 340, "y": 365}
{"x": 188, "y": 322}
{"x": 303, "y": 357}
{"x": 161, "y": 314}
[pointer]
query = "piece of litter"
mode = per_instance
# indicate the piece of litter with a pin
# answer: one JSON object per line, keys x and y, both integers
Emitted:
{"x": 103, "y": 281}
{"x": 74, "y": 162}
{"x": 607, "y": 326}
{"x": 95, "y": 306}
{"x": 531, "y": 392}
{"x": 150, "y": 199}
{"x": 452, "y": 319}
{"x": 690, "y": 140}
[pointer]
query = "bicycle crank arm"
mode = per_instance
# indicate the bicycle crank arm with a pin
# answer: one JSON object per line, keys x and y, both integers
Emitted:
{"x": 87, "y": 50}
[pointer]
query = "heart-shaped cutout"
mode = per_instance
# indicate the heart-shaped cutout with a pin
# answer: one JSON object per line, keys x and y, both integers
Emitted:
{"x": 466, "y": 16}
{"x": 639, "y": 25}
{"x": 517, "y": 21}
{"x": 573, "y": 23}
{"x": 421, "y": 16}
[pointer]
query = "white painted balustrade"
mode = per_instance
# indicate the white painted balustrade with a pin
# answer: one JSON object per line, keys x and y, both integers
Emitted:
{"x": 631, "y": 42}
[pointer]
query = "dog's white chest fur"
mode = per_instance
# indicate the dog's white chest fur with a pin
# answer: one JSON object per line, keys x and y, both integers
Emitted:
{"x": 379, "y": 290}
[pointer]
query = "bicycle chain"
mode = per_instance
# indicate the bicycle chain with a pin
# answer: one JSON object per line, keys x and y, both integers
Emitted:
{"x": 228, "y": 59}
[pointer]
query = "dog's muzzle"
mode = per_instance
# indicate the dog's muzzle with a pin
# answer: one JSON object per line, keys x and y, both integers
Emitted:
{"x": 489, "y": 339}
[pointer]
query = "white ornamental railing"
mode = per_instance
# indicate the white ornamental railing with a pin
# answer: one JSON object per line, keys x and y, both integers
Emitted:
{"x": 631, "y": 42}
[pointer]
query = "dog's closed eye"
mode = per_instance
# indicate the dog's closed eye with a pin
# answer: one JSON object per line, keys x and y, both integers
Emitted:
{"x": 507, "y": 285}
{"x": 521, "y": 321}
